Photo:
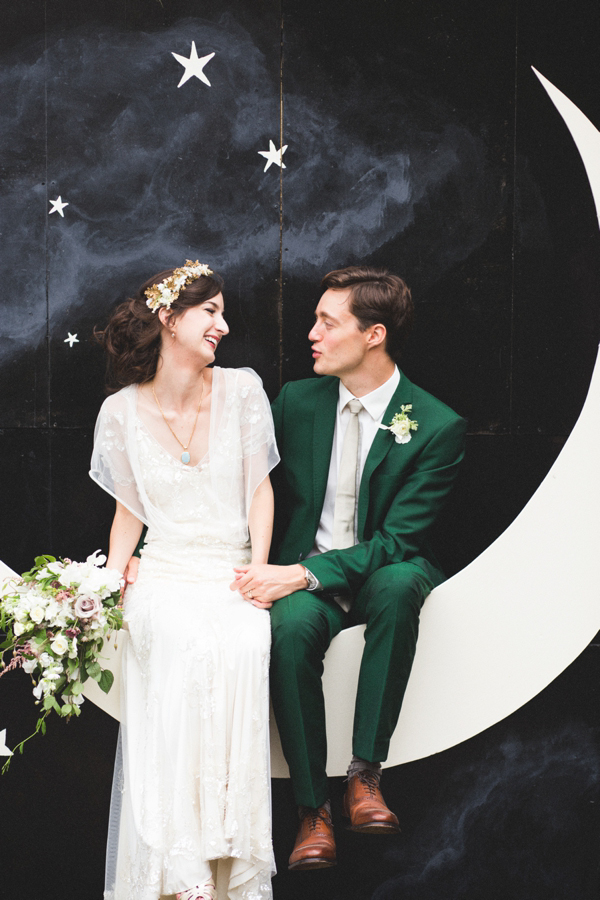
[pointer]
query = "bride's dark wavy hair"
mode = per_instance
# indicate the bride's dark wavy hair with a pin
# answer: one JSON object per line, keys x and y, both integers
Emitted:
{"x": 132, "y": 337}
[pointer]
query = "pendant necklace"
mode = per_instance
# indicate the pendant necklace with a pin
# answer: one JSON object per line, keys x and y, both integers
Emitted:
{"x": 185, "y": 456}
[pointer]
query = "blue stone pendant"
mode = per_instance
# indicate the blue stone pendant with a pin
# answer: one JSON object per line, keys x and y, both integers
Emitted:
{"x": 185, "y": 457}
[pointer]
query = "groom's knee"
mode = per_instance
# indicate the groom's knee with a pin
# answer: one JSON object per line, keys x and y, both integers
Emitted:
{"x": 394, "y": 592}
{"x": 300, "y": 623}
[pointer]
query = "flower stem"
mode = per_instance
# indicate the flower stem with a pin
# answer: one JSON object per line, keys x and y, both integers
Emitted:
{"x": 41, "y": 726}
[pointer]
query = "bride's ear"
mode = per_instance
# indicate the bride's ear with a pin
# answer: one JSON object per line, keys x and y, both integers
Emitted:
{"x": 167, "y": 319}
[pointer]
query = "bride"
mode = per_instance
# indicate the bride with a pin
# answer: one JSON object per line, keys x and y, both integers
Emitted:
{"x": 187, "y": 450}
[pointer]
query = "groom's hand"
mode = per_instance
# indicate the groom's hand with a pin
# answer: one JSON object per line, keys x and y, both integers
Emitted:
{"x": 262, "y": 584}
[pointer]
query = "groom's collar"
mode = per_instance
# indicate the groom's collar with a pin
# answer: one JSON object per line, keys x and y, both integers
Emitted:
{"x": 375, "y": 402}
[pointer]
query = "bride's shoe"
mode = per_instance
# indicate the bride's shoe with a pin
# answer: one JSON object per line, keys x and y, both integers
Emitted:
{"x": 206, "y": 891}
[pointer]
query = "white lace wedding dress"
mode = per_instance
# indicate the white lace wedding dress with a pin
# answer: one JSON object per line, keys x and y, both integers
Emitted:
{"x": 193, "y": 786}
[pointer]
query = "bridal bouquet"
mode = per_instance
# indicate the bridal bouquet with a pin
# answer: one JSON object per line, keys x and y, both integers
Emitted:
{"x": 56, "y": 618}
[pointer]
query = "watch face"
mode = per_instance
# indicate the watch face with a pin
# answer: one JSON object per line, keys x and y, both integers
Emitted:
{"x": 311, "y": 580}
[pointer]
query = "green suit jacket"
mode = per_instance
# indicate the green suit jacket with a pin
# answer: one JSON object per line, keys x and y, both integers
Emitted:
{"x": 402, "y": 489}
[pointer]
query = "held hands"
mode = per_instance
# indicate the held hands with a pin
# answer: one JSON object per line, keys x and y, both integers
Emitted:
{"x": 262, "y": 584}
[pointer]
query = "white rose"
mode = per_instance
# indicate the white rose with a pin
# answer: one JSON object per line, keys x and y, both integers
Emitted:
{"x": 18, "y": 628}
{"x": 59, "y": 645}
{"x": 401, "y": 428}
{"x": 37, "y": 614}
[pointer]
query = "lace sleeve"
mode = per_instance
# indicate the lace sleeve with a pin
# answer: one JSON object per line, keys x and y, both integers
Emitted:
{"x": 111, "y": 466}
{"x": 259, "y": 449}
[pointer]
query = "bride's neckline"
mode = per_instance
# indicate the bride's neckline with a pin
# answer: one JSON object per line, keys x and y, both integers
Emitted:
{"x": 184, "y": 466}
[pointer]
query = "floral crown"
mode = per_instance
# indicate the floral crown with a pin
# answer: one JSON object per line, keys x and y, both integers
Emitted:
{"x": 166, "y": 292}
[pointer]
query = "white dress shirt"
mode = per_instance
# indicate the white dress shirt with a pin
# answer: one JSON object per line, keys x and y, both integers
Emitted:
{"x": 369, "y": 419}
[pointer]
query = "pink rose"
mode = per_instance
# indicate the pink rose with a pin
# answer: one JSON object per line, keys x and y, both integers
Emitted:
{"x": 86, "y": 607}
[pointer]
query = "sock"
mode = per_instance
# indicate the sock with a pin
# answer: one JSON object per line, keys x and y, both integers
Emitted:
{"x": 357, "y": 765}
{"x": 326, "y": 806}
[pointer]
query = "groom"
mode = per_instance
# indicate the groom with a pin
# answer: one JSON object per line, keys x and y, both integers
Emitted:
{"x": 368, "y": 459}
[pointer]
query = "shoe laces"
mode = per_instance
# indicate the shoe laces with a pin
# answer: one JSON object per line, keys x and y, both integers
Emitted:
{"x": 313, "y": 816}
{"x": 369, "y": 779}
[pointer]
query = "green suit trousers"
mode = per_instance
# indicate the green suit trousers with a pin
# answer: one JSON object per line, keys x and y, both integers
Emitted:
{"x": 303, "y": 626}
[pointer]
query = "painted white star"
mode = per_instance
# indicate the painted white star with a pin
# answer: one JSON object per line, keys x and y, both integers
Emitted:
{"x": 273, "y": 156}
{"x": 58, "y": 206}
{"x": 72, "y": 339}
{"x": 4, "y": 751}
{"x": 193, "y": 65}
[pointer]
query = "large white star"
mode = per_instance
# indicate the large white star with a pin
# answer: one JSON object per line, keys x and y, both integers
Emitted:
{"x": 273, "y": 156}
{"x": 4, "y": 751}
{"x": 72, "y": 339}
{"x": 193, "y": 65}
{"x": 58, "y": 206}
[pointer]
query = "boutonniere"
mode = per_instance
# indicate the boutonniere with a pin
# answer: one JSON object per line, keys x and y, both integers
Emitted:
{"x": 401, "y": 426}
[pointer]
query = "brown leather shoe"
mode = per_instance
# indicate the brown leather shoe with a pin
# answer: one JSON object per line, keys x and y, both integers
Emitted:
{"x": 315, "y": 844}
{"x": 365, "y": 806}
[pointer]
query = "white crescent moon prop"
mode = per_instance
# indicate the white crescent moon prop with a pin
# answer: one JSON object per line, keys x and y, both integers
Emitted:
{"x": 498, "y": 632}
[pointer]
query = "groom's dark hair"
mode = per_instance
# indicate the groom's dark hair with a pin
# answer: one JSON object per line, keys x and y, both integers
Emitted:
{"x": 377, "y": 297}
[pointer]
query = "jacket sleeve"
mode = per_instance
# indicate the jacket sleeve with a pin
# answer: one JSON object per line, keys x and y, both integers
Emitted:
{"x": 141, "y": 542}
{"x": 277, "y": 410}
{"x": 411, "y": 513}
{"x": 277, "y": 479}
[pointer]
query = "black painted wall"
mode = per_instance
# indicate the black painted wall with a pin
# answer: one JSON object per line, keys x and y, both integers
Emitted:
{"x": 418, "y": 138}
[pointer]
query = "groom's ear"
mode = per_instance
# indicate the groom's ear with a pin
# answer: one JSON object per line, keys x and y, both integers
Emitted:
{"x": 376, "y": 335}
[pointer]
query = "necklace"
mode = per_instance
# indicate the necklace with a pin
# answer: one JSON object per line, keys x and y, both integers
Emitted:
{"x": 185, "y": 456}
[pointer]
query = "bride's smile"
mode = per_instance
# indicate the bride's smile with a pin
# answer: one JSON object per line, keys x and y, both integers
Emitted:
{"x": 199, "y": 329}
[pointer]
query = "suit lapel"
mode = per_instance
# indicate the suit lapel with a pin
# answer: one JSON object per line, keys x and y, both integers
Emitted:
{"x": 381, "y": 446}
{"x": 323, "y": 430}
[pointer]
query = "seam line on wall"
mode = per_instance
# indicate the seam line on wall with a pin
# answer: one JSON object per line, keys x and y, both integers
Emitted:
{"x": 280, "y": 297}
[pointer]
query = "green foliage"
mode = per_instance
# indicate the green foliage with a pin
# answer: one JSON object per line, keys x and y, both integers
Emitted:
{"x": 93, "y": 669}
{"x": 106, "y": 680}
{"x": 59, "y": 679}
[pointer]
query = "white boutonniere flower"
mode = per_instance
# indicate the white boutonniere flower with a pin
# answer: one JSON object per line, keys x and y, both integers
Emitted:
{"x": 401, "y": 426}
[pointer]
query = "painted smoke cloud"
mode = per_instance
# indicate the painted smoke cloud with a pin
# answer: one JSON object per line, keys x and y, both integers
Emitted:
{"x": 153, "y": 174}
{"x": 479, "y": 832}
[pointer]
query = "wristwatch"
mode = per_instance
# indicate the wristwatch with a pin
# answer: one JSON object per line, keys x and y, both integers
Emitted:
{"x": 312, "y": 582}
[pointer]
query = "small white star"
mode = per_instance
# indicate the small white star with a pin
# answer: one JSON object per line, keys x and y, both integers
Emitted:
{"x": 273, "y": 156}
{"x": 72, "y": 339}
{"x": 58, "y": 206}
{"x": 193, "y": 65}
{"x": 4, "y": 751}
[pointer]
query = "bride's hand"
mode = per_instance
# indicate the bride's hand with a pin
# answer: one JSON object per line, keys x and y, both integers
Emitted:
{"x": 130, "y": 574}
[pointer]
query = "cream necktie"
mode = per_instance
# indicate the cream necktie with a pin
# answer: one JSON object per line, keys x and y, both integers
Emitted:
{"x": 345, "y": 494}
